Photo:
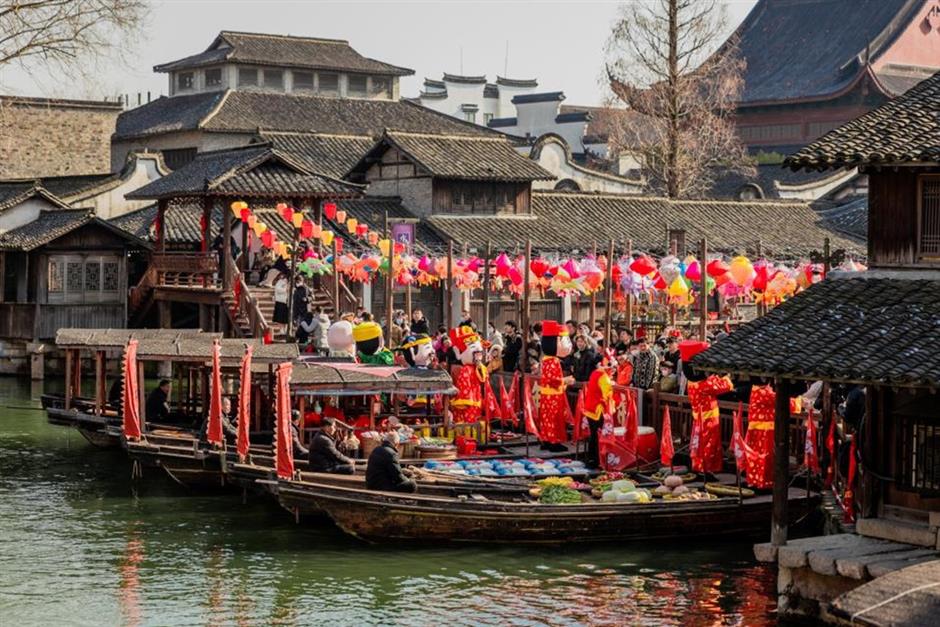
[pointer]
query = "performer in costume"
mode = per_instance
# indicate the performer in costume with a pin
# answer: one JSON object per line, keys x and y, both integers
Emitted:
{"x": 339, "y": 337}
{"x": 370, "y": 345}
{"x": 556, "y": 345}
{"x": 418, "y": 351}
{"x": 469, "y": 376}
{"x": 705, "y": 447}
{"x": 760, "y": 437}
{"x": 597, "y": 396}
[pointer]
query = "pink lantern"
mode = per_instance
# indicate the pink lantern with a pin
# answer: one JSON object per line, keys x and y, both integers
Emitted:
{"x": 502, "y": 265}
{"x": 693, "y": 272}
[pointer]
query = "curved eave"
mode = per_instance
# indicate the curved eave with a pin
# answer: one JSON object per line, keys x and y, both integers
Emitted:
{"x": 845, "y": 89}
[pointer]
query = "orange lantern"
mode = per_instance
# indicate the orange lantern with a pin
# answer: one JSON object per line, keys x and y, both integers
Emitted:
{"x": 237, "y": 207}
{"x": 351, "y": 224}
{"x": 340, "y": 216}
{"x": 297, "y": 219}
{"x": 317, "y": 231}
{"x": 252, "y": 221}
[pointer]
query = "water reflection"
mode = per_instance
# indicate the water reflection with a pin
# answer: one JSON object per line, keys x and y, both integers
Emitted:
{"x": 75, "y": 528}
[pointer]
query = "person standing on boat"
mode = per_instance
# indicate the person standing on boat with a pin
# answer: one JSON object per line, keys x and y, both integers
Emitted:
{"x": 383, "y": 470}
{"x": 555, "y": 345}
{"x": 705, "y": 445}
{"x": 324, "y": 456}
{"x": 597, "y": 396}
{"x": 157, "y": 407}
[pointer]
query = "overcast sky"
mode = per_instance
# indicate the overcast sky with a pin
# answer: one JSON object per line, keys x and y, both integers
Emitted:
{"x": 558, "y": 42}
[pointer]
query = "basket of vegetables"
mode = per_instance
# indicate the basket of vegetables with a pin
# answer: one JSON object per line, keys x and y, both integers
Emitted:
{"x": 556, "y": 494}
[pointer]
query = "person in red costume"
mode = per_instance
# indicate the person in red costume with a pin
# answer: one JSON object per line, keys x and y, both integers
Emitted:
{"x": 467, "y": 405}
{"x": 597, "y": 395}
{"x": 760, "y": 437}
{"x": 556, "y": 345}
{"x": 705, "y": 447}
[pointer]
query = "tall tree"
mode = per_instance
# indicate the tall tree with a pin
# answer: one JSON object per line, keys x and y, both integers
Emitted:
{"x": 67, "y": 33}
{"x": 675, "y": 81}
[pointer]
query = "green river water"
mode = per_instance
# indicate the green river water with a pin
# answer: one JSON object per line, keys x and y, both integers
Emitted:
{"x": 81, "y": 544}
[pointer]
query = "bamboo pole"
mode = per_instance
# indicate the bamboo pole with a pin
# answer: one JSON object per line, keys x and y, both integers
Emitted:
{"x": 336, "y": 312}
{"x": 526, "y": 322}
{"x": 703, "y": 290}
{"x": 609, "y": 295}
{"x": 486, "y": 288}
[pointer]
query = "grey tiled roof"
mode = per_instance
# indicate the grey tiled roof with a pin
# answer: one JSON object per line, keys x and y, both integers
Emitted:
{"x": 248, "y": 171}
{"x": 858, "y": 329}
{"x": 182, "y": 223}
{"x": 284, "y": 51}
{"x": 549, "y": 96}
{"x": 850, "y": 217}
{"x": 461, "y": 157}
{"x": 13, "y": 193}
{"x": 905, "y": 129}
{"x": 729, "y": 183}
{"x": 49, "y": 226}
{"x": 333, "y": 155}
{"x": 325, "y": 376}
{"x": 574, "y": 220}
{"x": 251, "y": 112}
{"x": 815, "y": 48}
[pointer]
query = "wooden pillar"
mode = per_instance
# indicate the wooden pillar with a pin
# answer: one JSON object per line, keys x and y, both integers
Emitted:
{"x": 778, "y": 529}
{"x": 99, "y": 383}
{"x": 336, "y": 311}
{"x": 68, "y": 379}
{"x": 226, "y": 251}
{"x": 703, "y": 291}
{"x": 160, "y": 234}
{"x": 449, "y": 283}
{"x": 630, "y": 295}
{"x": 609, "y": 295}
{"x": 77, "y": 374}
{"x": 486, "y": 288}
{"x": 826, "y": 257}
{"x": 526, "y": 289}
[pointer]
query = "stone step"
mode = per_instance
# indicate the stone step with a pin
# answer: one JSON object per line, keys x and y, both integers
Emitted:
{"x": 897, "y": 531}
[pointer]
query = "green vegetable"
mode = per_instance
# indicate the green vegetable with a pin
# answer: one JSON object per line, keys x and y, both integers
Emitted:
{"x": 559, "y": 495}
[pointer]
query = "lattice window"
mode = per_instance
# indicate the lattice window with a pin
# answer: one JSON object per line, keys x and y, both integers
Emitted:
{"x": 93, "y": 276}
{"x": 55, "y": 276}
{"x": 73, "y": 276}
{"x": 930, "y": 216}
{"x": 919, "y": 454}
{"x": 111, "y": 276}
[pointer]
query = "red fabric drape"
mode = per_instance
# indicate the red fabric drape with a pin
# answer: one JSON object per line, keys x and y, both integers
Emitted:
{"x": 831, "y": 447}
{"x": 214, "y": 430}
{"x": 848, "y": 502}
{"x": 130, "y": 394}
{"x": 666, "y": 446}
{"x": 810, "y": 454}
{"x": 491, "y": 407}
{"x": 632, "y": 426}
{"x": 244, "y": 404}
{"x": 283, "y": 440}
{"x": 528, "y": 409}
{"x": 511, "y": 402}
{"x": 580, "y": 429}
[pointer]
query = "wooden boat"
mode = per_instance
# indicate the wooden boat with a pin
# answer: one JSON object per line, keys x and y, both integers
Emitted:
{"x": 101, "y": 430}
{"x": 384, "y": 516}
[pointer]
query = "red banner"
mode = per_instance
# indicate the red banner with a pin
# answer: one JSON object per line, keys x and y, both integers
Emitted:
{"x": 511, "y": 402}
{"x": 283, "y": 439}
{"x": 579, "y": 426}
{"x": 491, "y": 407}
{"x": 244, "y": 404}
{"x": 214, "y": 430}
{"x": 631, "y": 423}
{"x": 666, "y": 446}
{"x": 130, "y": 394}
{"x": 848, "y": 501}
{"x": 528, "y": 409}
{"x": 737, "y": 438}
{"x": 810, "y": 453}
{"x": 831, "y": 447}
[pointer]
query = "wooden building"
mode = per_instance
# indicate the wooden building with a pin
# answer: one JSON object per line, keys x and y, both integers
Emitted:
{"x": 878, "y": 330}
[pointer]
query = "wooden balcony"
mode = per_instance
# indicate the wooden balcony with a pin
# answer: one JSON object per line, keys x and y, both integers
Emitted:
{"x": 186, "y": 270}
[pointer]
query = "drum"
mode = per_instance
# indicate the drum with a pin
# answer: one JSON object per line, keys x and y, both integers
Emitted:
{"x": 647, "y": 445}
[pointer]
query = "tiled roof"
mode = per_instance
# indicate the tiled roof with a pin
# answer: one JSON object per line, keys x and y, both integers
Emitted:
{"x": 859, "y": 329}
{"x": 502, "y": 122}
{"x": 470, "y": 80}
{"x": 13, "y": 193}
{"x": 550, "y": 96}
{"x": 49, "y": 226}
{"x": 850, "y": 217}
{"x": 573, "y": 116}
{"x": 250, "y": 171}
{"x": 460, "y": 157}
{"x": 372, "y": 209}
{"x": 182, "y": 223}
{"x": 906, "y": 129}
{"x": 810, "y": 49}
{"x": 767, "y": 177}
{"x": 251, "y": 112}
{"x": 333, "y": 155}
{"x": 574, "y": 220}
{"x": 284, "y": 51}
{"x": 516, "y": 82}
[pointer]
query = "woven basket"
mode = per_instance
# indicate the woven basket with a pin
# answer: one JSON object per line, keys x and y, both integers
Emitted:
{"x": 369, "y": 445}
{"x": 437, "y": 452}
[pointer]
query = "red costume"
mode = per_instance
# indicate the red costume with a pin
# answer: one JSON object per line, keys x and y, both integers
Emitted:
{"x": 760, "y": 437}
{"x": 467, "y": 404}
{"x": 597, "y": 394}
{"x": 552, "y": 401}
{"x": 705, "y": 447}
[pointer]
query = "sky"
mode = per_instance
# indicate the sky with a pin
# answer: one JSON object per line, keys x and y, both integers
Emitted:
{"x": 560, "y": 43}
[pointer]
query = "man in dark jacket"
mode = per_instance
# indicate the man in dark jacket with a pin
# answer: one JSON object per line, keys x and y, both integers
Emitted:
{"x": 296, "y": 439}
{"x": 324, "y": 457}
{"x": 157, "y": 407}
{"x": 419, "y": 324}
{"x": 513, "y": 346}
{"x": 383, "y": 472}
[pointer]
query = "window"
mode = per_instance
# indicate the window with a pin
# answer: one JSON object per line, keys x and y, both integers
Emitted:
{"x": 247, "y": 77}
{"x": 487, "y": 117}
{"x": 214, "y": 77}
{"x": 84, "y": 279}
{"x": 329, "y": 84}
{"x": 381, "y": 87}
{"x": 470, "y": 116}
{"x": 178, "y": 157}
{"x": 356, "y": 86}
{"x": 918, "y": 454}
{"x": 771, "y": 132}
{"x": 303, "y": 80}
{"x": 274, "y": 79}
{"x": 184, "y": 80}
{"x": 929, "y": 218}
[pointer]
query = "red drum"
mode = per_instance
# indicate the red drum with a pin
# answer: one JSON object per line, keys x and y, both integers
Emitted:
{"x": 647, "y": 445}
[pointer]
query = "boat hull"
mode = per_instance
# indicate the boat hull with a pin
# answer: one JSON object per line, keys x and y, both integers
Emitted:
{"x": 96, "y": 429}
{"x": 380, "y": 516}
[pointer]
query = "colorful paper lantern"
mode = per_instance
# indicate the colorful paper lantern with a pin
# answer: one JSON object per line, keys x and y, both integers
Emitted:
{"x": 260, "y": 228}
{"x": 329, "y": 210}
{"x": 351, "y": 224}
{"x": 317, "y": 231}
{"x": 643, "y": 265}
{"x": 327, "y": 237}
{"x": 361, "y": 230}
{"x": 286, "y": 212}
{"x": 267, "y": 238}
{"x": 741, "y": 270}
{"x": 716, "y": 268}
{"x": 384, "y": 247}
{"x": 252, "y": 220}
{"x": 306, "y": 229}
{"x": 340, "y": 216}
{"x": 339, "y": 245}
{"x": 297, "y": 219}
{"x": 693, "y": 272}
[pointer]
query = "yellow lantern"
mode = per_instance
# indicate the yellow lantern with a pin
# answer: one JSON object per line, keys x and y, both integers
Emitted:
{"x": 741, "y": 270}
{"x": 259, "y": 228}
{"x": 327, "y": 237}
{"x": 384, "y": 246}
{"x": 237, "y": 207}
{"x": 351, "y": 224}
{"x": 340, "y": 216}
{"x": 678, "y": 288}
{"x": 297, "y": 219}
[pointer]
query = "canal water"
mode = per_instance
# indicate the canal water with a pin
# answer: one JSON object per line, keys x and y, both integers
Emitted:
{"x": 83, "y": 544}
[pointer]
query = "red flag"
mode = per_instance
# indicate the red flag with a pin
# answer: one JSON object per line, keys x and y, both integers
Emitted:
{"x": 632, "y": 427}
{"x": 810, "y": 454}
{"x": 528, "y": 410}
{"x": 130, "y": 396}
{"x": 214, "y": 430}
{"x": 244, "y": 404}
{"x": 737, "y": 437}
{"x": 505, "y": 404}
{"x": 666, "y": 446}
{"x": 848, "y": 502}
{"x": 831, "y": 447}
{"x": 491, "y": 406}
{"x": 579, "y": 416}
{"x": 283, "y": 439}
{"x": 511, "y": 402}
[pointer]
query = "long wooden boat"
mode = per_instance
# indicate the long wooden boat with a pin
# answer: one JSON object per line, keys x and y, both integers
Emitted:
{"x": 102, "y": 430}
{"x": 384, "y": 516}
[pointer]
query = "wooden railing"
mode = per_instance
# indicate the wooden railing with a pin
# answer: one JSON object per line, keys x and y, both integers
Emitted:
{"x": 247, "y": 305}
{"x": 195, "y": 270}
{"x": 139, "y": 293}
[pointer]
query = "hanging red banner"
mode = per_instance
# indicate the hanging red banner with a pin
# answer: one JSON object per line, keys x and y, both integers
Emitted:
{"x": 831, "y": 447}
{"x": 244, "y": 404}
{"x": 283, "y": 436}
{"x": 214, "y": 430}
{"x": 130, "y": 396}
{"x": 810, "y": 452}
{"x": 848, "y": 501}
{"x": 528, "y": 409}
{"x": 667, "y": 447}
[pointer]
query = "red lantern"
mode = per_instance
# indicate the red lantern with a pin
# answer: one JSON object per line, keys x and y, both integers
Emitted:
{"x": 287, "y": 213}
{"x": 660, "y": 282}
{"x": 716, "y": 268}
{"x": 538, "y": 267}
{"x": 361, "y": 230}
{"x": 306, "y": 229}
{"x": 643, "y": 265}
{"x": 760, "y": 279}
{"x": 267, "y": 239}
{"x": 339, "y": 244}
{"x": 245, "y": 213}
{"x": 329, "y": 210}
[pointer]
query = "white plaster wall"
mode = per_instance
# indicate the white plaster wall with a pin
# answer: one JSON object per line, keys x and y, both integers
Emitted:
{"x": 112, "y": 203}
{"x": 23, "y": 213}
{"x": 553, "y": 158}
